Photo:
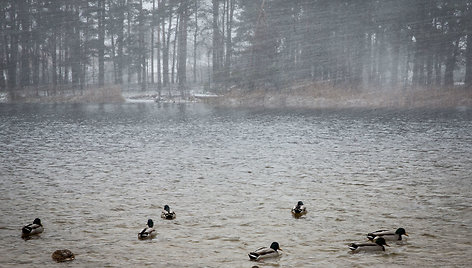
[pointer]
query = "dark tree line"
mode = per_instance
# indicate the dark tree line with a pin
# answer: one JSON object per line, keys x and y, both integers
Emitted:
{"x": 370, "y": 43}
{"x": 59, "y": 44}
{"x": 160, "y": 44}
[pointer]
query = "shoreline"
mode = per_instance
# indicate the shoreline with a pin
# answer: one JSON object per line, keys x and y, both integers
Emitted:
{"x": 111, "y": 94}
{"x": 331, "y": 98}
{"x": 302, "y": 96}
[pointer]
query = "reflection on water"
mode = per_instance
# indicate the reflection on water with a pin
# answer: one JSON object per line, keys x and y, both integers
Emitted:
{"x": 94, "y": 174}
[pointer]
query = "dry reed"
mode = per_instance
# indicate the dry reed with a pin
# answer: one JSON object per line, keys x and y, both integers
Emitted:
{"x": 109, "y": 94}
{"x": 323, "y": 96}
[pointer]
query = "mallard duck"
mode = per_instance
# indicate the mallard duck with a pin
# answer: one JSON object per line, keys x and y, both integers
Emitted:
{"x": 299, "y": 209}
{"x": 62, "y": 255}
{"x": 32, "y": 229}
{"x": 388, "y": 235}
{"x": 148, "y": 232}
{"x": 264, "y": 252}
{"x": 378, "y": 245}
{"x": 168, "y": 213}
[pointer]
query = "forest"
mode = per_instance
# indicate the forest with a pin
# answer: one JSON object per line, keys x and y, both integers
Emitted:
{"x": 49, "y": 46}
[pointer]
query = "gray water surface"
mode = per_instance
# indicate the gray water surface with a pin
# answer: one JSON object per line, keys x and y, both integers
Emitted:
{"x": 95, "y": 173}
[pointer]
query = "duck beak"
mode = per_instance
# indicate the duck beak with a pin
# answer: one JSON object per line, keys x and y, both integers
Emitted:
{"x": 387, "y": 245}
{"x": 406, "y": 234}
{"x": 281, "y": 249}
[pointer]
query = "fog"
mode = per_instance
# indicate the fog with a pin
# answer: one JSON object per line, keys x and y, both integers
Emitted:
{"x": 182, "y": 47}
{"x": 361, "y": 109}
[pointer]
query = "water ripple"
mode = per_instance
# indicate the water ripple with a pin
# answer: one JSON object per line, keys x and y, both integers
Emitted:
{"x": 94, "y": 174}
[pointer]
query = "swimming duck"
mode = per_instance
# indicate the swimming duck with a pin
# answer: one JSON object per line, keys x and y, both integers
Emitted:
{"x": 388, "y": 235}
{"x": 299, "y": 209}
{"x": 148, "y": 232}
{"x": 378, "y": 245}
{"x": 168, "y": 213}
{"x": 264, "y": 252}
{"x": 62, "y": 255}
{"x": 32, "y": 229}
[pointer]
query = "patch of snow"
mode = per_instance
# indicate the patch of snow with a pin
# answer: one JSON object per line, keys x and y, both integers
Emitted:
{"x": 3, "y": 97}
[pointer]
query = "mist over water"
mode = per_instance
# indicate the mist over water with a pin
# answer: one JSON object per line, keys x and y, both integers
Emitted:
{"x": 95, "y": 173}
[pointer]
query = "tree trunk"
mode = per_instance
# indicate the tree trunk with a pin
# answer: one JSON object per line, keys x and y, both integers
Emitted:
{"x": 437, "y": 70}
{"x": 44, "y": 69}
{"x": 158, "y": 51}
{"x": 85, "y": 49}
{"x": 142, "y": 48}
{"x": 13, "y": 52}
{"x": 229, "y": 44}
{"x": 153, "y": 22}
{"x": 451, "y": 63}
{"x": 25, "y": 39}
{"x": 113, "y": 58}
{"x": 101, "y": 43}
{"x": 418, "y": 64}
{"x": 182, "y": 64}
{"x": 429, "y": 70}
{"x": 395, "y": 55}
{"x": 215, "y": 41}
{"x": 165, "y": 49}
{"x": 128, "y": 31}
{"x": 120, "y": 43}
{"x": 53, "y": 53}
{"x": 75, "y": 47}
{"x": 174, "y": 51}
{"x": 36, "y": 61}
{"x": 3, "y": 43}
{"x": 406, "y": 72}
{"x": 468, "y": 60}
{"x": 61, "y": 59}
{"x": 195, "y": 43}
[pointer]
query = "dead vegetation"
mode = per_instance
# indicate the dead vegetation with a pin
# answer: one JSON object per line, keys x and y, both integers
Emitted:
{"x": 110, "y": 94}
{"x": 322, "y": 96}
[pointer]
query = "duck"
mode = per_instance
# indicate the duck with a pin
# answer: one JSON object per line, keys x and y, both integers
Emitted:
{"x": 148, "y": 232}
{"x": 62, "y": 255}
{"x": 377, "y": 245}
{"x": 388, "y": 235}
{"x": 32, "y": 229}
{"x": 168, "y": 213}
{"x": 264, "y": 252}
{"x": 299, "y": 209}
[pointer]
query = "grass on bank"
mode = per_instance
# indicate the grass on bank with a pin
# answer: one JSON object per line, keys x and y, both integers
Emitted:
{"x": 108, "y": 94}
{"x": 325, "y": 96}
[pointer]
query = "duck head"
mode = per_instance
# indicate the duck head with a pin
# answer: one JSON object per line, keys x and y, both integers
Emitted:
{"x": 37, "y": 221}
{"x": 299, "y": 204}
{"x": 150, "y": 223}
{"x": 380, "y": 241}
{"x": 167, "y": 208}
{"x": 401, "y": 231}
{"x": 275, "y": 246}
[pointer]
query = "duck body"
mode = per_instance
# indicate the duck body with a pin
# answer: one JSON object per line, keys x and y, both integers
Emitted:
{"x": 388, "y": 235}
{"x": 32, "y": 229}
{"x": 148, "y": 232}
{"x": 62, "y": 255}
{"x": 378, "y": 245}
{"x": 168, "y": 213}
{"x": 299, "y": 209}
{"x": 265, "y": 252}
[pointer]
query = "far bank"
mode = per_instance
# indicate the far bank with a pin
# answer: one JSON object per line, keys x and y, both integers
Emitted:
{"x": 313, "y": 96}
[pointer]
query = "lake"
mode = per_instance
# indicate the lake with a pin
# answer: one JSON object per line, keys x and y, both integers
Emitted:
{"x": 94, "y": 174}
